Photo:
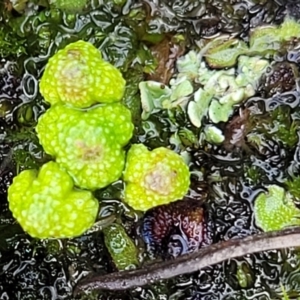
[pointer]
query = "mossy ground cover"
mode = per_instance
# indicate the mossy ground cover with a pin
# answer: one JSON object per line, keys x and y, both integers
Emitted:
{"x": 231, "y": 162}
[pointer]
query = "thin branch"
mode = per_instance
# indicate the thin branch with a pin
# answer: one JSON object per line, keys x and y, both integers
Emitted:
{"x": 192, "y": 262}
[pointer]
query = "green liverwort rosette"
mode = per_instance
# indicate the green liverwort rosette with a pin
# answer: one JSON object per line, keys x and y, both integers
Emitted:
{"x": 46, "y": 205}
{"x": 77, "y": 75}
{"x": 275, "y": 210}
{"x": 87, "y": 143}
{"x": 154, "y": 177}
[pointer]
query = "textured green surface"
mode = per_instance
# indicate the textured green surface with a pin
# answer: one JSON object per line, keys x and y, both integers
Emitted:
{"x": 290, "y": 28}
{"x": 46, "y": 205}
{"x": 78, "y": 75}
{"x": 154, "y": 177}
{"x": 33, "y": 270}
{"x": 69, "y": 5}
{"x": 265, "y": 40}
{"x": 275, "y": 210}
{"x": 88, "y": 144}
{"x": 224, "y": 53}
{"x": 120, "y": 247}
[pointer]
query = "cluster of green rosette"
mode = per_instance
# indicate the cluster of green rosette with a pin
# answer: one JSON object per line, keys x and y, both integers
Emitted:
{"x": 85, "y": 131}
{"x": 86, "y": 128}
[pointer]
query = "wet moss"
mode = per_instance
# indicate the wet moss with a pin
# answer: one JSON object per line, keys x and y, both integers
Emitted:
{"x": 126, "y": 33}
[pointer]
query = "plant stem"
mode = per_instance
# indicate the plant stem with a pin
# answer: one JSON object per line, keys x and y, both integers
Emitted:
{"x": 192, "y": 262}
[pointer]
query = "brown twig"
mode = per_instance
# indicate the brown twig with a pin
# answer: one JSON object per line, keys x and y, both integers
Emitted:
{"x": 189, "y": 263}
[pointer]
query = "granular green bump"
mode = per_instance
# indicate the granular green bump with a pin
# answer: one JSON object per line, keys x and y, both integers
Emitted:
{"x": 46, "y": 205}
{"x": 121, "y": 248}
{"x": 77, "y": 75}
{"x": 275, "y": 210}
{"x": 154, "y": 177}
{"x": 87, "y": 143}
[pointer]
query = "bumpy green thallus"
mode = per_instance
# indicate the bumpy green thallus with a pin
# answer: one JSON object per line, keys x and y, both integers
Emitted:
{"x": 154, "y": 177}
{"x": 46, "y": 204}
{"x": 275, "y": 210}
{"x": 77, "y": 75}
{"x": 87, "y": 144}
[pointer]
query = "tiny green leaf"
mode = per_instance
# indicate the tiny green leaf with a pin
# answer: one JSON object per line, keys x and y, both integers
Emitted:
{"x": 198, "y": 108}
{"x": 153, "y": 95}
{"x": 224, "y": 53}
{"x": 219, "y": 112}
{"x": 213, "y": 134}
